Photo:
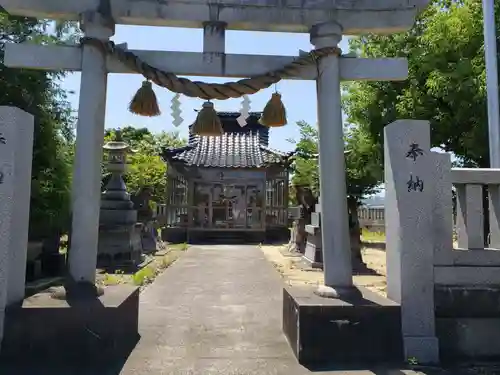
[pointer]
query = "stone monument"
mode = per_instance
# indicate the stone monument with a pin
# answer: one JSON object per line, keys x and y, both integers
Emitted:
{"x": 16, "y": 148}
{"x": 145, "y": 216}
{"x": 314, "y": 248}
{"x": 119, "y": 233}
{"x": 410, "y": 184}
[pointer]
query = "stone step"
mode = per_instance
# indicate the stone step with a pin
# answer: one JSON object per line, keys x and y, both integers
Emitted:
{"x": 295, "y": 212}
{"x": 316, "y": 219}
{"x": 312, "y": 229}
{"x": 317, "y": 208}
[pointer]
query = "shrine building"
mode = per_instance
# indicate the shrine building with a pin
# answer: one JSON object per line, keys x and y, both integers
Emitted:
{"x": 228, "y": 187}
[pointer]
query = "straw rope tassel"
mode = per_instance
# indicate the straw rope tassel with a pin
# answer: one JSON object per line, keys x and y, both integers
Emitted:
{"x": 144, "y": 102}
{"x": 274, "y": 113}
{"x": 207, "y": 122}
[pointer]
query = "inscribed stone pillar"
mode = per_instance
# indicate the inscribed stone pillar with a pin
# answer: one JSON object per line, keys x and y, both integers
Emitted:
{"x": 409, "y": 235}
{"x": 16, "y": 151}
{"x": 335, "y": 234}
{"x": 86, "y": 191}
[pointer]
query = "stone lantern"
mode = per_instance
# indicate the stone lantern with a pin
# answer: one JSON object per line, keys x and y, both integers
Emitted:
{"x": 119, "y": 232}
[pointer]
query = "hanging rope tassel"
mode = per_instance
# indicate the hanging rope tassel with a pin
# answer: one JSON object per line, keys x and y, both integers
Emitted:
{"x": 144, "y": 102}
{"x": 274, "y": 114}
{"x": 207, "y": 122}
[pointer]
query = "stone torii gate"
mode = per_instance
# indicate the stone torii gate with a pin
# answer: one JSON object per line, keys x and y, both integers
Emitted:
{"x": 326, "y": 21}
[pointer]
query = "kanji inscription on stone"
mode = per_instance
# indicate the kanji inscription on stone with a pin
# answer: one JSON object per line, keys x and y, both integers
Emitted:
{"x": 415, "y": 184}
{"x": 414, "y": 152}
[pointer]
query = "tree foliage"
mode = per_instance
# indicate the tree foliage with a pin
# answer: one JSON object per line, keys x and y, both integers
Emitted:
{"x": 39, "y": 94}
{"x": 305, "y": 168}
{"x": 363, "y": 163}
{"x": 446, "y": 82}
{"x": 146, "y": 168}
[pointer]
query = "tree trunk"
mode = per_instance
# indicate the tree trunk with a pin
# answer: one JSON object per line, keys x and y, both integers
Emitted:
{"x": 355, "y": 234}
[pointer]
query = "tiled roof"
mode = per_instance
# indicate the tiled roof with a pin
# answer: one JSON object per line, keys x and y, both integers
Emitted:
{"x": 230, "y": 125}
{"x": 230, "y": 150}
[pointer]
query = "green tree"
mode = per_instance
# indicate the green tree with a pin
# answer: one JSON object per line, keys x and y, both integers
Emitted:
{"x": 39, "y": 93}
{"x": 445, "y": 85}
{"x": 305, "y": 167}
{"x": 363, "y": 171}
{"x": 363, "y": 162}
{"x": 146, "y": 168}
{"x": 133, "y": 136}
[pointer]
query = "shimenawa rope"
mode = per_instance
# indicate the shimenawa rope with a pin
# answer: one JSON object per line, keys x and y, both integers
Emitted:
{"x": 209, "y": 91}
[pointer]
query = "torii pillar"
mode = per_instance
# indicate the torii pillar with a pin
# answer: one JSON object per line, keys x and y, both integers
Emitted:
{"x": 333, "y": 191}
{"x": 86, "y": 190}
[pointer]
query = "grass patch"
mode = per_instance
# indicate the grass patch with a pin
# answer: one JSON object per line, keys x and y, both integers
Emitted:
{"x": 119, "y": 277}
{"x": 146, "y": 275}
{"x": 63, "y": 245}
{"x": 367, "y": 236}
{"x": 178, "y": 246}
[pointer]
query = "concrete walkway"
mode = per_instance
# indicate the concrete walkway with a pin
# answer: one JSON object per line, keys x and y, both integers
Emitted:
{"x": 217, "y": 310}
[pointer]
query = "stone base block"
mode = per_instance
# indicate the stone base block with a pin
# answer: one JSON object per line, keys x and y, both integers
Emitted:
{"x": 306, "y": 262}
{"x": 277, "y": 235}
{"x": 33, "y": 270}
{"x": 174, "y": 235}
{"x": 424, "y": 349}
{"x": 313, "y": 253}
{"x": 53, "y": 264}
{"x": 2, "y": 324}
{"x": 47, "y": 330}
{"x": 117, "y": 216}
{"x": 467, "y": 301}
{"x": 468, "y": 339}
{"x": 468, "y": 322}
{"x": 119, "y": 245}
{"x": 149, "y": 236}
{"x": 366, "y": 329}
{"x": 316, "y": 219}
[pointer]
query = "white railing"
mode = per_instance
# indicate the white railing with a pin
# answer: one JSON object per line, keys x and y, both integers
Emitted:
{"x": 471, "y": 186}
{"x": 372, "y": 218}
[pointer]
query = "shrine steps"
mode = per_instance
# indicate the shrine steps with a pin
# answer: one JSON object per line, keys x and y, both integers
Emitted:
{"x": 199, "y": 236}
{"x": 226, "y": 237}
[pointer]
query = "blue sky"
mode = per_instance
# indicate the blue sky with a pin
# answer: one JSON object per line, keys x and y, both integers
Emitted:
{"x": 299, "y": 96}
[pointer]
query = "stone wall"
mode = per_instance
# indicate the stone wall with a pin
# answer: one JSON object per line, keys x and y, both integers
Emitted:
{"x": 467, "y": 279}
